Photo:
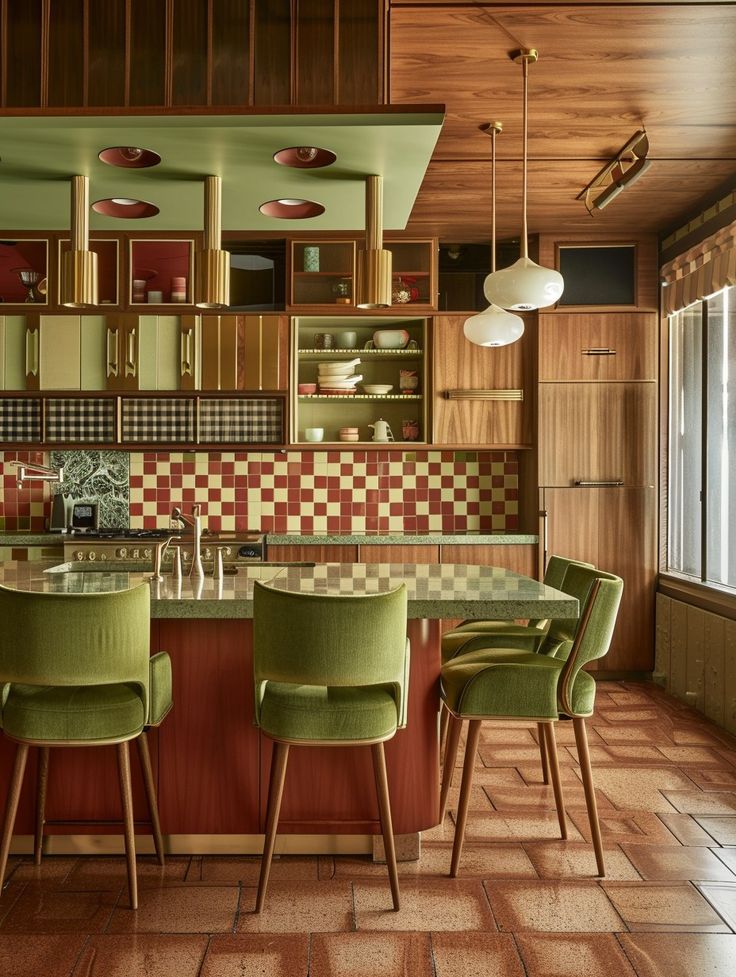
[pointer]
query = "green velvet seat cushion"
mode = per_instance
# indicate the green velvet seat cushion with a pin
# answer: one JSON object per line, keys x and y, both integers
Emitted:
{"x": 159, "y": 693}
{"x": 504, "y": 682}
{"x": 486, "y": 634}
{"x": 73, "y": 712}
{"x": 314, "y": 712}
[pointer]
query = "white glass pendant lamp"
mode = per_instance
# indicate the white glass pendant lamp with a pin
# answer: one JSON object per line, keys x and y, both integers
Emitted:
{"x": 525, "y": 285}
{"x": 494, "y": 326}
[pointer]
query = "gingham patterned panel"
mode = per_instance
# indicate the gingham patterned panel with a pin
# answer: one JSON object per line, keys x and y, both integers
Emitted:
{"x": 72, "y": 420}
{"x": 246, "y": 421}
{"x": 20, "y": 419}
{"x": 148, "y": 419}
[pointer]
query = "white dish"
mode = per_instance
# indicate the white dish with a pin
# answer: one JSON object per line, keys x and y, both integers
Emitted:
{"x": 337, "y": 383}
{"x": 378, "y": 388}
{"x": 337, "y": 368}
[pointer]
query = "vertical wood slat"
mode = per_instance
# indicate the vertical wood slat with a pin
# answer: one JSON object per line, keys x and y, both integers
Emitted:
{"x": 66, "y": 54}
{"x": 147, "y": 42}
{"x": 169, "y": 54}
{"x": 3, "y": 52}
{"x": 231, "y": 53}
{"x": 314, "y": 30}
{"x": 45, "y": 30}
{"x": 188, "y": 47}
{"x": 272, "y": 41}
{"x": 107, "y": 53}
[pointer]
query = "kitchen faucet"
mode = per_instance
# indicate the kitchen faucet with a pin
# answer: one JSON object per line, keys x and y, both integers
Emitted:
{"x": 29, "y": 471}
{"x": 158, "y": 555}
{"x": 195, "y": 521}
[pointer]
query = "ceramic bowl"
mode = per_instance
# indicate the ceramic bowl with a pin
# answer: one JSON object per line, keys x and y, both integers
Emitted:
{"x": 314, "y": 433}
{"x": 378, "y": 388}
{"x": 390, "y": 338}
{"x": 307, "y": 388}
{"x": 338, "y": 368}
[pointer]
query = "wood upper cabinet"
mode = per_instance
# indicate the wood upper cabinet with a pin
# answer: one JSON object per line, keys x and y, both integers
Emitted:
{"x": 244, "y": 352}
{"x": 597, "y": 432}
{"x": 598, "y": 346}
{"x": 479, "y": 392}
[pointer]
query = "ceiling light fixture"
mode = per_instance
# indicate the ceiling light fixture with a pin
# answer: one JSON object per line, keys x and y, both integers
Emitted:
{"x": 494, "y": 326}
{"x": 212, "y": 264}
{"x": 624, "y": 170}
{"x": 373, "y": 280}
{"x": 525, "y": 285}
{"x": 79, "y": 271}
{"x": 305, "y": 157}
{"x": 129, "y": 157}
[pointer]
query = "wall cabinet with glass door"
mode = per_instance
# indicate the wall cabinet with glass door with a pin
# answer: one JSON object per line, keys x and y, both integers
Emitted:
{"x": 391, "y": 389}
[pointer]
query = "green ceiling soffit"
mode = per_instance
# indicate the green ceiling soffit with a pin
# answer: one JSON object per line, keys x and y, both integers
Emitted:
{"x": 39, "y": 154}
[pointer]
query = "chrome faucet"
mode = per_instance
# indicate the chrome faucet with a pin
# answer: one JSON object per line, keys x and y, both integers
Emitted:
{"x": 158, "y": 555}
{"x": 195, "y": 521}
{"x": 29, "y": 471}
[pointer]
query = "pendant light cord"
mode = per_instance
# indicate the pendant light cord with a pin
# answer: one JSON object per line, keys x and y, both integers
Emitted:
{"x": 525, "y": 75}
{"x": 493, "y": 200}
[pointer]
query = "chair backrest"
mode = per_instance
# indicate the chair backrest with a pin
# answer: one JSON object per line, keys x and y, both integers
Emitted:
{"x": 76, "y": 639}
{"x": 598, "y": 616}
{"x": 315, "y": 639}
{"x": 554, "y": 576}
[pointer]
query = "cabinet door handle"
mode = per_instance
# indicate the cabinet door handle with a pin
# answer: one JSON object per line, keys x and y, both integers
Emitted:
{"x": 113, "y": 365}
{"x": 598, "y": 351}
{"x": 480, "y": 394}
{"x": 186, "y": 353}
{"x": 131, "y": 367}
{"x": 32, "y": 352}
{"x": 609, "y": 482}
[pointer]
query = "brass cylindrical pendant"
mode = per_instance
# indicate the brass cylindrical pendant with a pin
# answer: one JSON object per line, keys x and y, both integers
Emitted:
{"x": 212, "y": 264}
{"x": 79, "y": 271}
{"x": 373, "y": 284}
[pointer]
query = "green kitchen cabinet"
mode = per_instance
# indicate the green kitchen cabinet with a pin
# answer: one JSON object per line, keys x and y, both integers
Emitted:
{"x": 12, "y": 352}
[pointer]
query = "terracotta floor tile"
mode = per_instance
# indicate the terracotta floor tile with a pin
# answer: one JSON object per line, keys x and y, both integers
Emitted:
{"x": 532, "y": 775}
{"x": 39, "y": 956}
{"x": 301, "y": 907}
{"x": 722, "y": 896}
{"x": 512, "y": 735}
{"x": 687, "y": 830}
{"x": 663, "y": 907}
{"x": 479, "y": 800}
{"x": 624, "y": 715}
{"x": 540, "y": 797}
{"x": 565, "y": 861}
{"x": 425, "y": 906}
{"x": 626, "y": 755}
{"x": 568, "y": 907}
{"x": 475, "y": 955}
{"x": 442, "y": 832}
{"x": 97, "y": 873}
{"x": 42, "y": 909}
{"x": 702, "y": 801}
{"x": 640, "y": 788}
{"x": 142, "y": 955}
{"x": 179, "y": 909}
{"x": 727, "y": 856}
{"x": 512, "y": 755}
{"x": 369, "y": 954}
{"x": 52, "y": 868}
{"x": 257, "y": 955}
{"x": 635, "y": 827}
{"x": 629, "y": 699}
{"x": 694, "y": 734}
{"x": 695, "y": 755}
{"x": 479, "y": 861}
{"x": 722, "y": 829}
{"x": 246, "y": 870}
{"x": 670, "y": 862}
{"x": 515, "y": 826}
{"x": 633, "y": 733}
{"x": 681, "y": 954}
{"x": 714, "y": 778}
{"x": 9, "y": 895}
{"x": 576, "y": 955}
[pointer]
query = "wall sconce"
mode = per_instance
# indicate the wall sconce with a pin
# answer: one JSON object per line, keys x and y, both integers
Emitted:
{"x": 373, "y": 280}
{"x": 623, "y": 171}
{"x": 79, "y": 271}
{"x": 212, "y": 264}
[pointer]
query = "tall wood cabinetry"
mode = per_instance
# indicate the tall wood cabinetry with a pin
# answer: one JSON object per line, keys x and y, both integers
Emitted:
{"x": 597, "y": 451}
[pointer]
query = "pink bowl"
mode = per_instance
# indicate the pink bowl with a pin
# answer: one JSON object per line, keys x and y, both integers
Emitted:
{"x": 307, "y": 388}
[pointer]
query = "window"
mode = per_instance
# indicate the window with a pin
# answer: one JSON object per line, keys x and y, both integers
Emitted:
{"x": 702, "y": 441}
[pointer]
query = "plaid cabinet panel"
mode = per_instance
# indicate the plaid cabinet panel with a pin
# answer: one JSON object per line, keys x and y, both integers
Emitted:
{"x": 20, "y": 419}
{"x": 74, "y": 420}
{"x": 249, "y": 420}
{"x": 153, "y": 419}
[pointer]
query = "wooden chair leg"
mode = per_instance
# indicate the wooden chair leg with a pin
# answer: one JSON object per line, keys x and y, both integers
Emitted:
{"x": 543, "y": 752}
{"x": 548, "y": 731}
{"x": 384, "y": 809}
{"x": 448, "y": 770}
{"x": 42, "y": 779}
{"x": 126, "y": 798}
{"x": 275, "y": 792}
{"x": 11, "y": 806}
{"x": 581, "y": 741}
{"x": 471, "y": 748}
{"x": 145, "y": 758}
{"x": 444, "y": 722}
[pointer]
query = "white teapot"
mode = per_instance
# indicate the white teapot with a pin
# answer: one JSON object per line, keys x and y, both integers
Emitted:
{"x": 381, "y": 431}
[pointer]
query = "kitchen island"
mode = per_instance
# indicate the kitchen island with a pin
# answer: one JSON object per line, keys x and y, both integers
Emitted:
{"x": 211, "y": 764}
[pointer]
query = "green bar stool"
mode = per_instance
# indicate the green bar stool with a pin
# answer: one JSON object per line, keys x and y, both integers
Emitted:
{"x": 511, "y": 684}
{"x": 329, "y": 671}
{"x": 75, "y": 670}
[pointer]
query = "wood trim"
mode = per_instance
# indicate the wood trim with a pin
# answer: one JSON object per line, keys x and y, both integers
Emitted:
{"x": 85, "y": 52}
{"x": 169, "y": 56}
{"x": 664, "y": 437}
{"x": 3, "y": 52}
{"x": 128, "y": 50}
{"x": 209, "y": 71}
{"x": 707, "y": 598}
{"x": 294, "y": 59}
{"x": 45, "y": 44}
{"x": 252, "y": 51}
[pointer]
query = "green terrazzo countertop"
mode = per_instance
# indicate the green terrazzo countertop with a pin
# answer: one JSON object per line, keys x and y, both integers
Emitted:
{"x": 294, "y": 539}
{"x": 434, "y": 591}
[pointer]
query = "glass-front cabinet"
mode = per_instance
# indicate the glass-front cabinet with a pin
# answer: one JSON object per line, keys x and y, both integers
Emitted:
{"x": 359, "y": 380}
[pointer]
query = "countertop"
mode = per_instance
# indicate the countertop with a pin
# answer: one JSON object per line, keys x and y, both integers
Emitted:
{"x": 434, "y": 591}
{"x": 349, "y": 539}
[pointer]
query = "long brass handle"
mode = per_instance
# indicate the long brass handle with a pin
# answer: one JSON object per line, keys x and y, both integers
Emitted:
{"x": 469, "y": 394}
{"x": 610, "y": 482}
{"x": 598, "y": 351}
{"x": 131, "y": 366}
{"x": 113, "y": 365}
{"x": 186, "y": 353}
{"x": 32, "y": 352}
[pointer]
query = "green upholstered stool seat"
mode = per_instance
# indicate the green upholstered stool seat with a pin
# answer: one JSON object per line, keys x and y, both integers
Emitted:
{"x": 75, "y": 712}
{"x": 317, "y": 712}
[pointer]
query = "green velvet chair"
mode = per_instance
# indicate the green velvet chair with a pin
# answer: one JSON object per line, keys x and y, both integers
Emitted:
{"x": 329, "y": 671}
{"x": 512, "y": 684}
{"x": 75, "y": 671}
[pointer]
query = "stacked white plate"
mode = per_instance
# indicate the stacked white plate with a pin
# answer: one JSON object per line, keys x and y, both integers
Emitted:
{"x": 338, "y": 377}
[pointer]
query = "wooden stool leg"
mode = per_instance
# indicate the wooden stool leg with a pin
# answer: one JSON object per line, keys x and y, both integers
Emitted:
{"x": 471, "y": 748}
{"x": 145, "y": 758}
{"x": 448, "y": 770}
{"x": 11, "y": 805}
{"x": 126, "y": 798}
{"x": 384, "y": 809}
{"x": 444, "y": 721}
{"x": 42, "y": 779}
{"x": 548, "y": 730}
{"x": 543, "y": 752}
{"x": 581, "y": 741}
{"x": 275, "y": 792}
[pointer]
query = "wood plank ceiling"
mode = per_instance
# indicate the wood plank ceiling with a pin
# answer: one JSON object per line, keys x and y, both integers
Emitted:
{"x": 604, "y": 71}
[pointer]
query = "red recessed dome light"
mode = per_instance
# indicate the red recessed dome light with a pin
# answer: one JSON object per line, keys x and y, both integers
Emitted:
{"x": 129, "y": 157}
{"x": 305, "y": 157}
{"x": 291, "y": 208}
{"x": 126, "y": 207}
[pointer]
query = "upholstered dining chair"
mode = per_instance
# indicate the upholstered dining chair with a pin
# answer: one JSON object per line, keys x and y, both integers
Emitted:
{"x": 510, "y": 684}
{"x": 329, "y": 671}
{"x": 75, "y": 671}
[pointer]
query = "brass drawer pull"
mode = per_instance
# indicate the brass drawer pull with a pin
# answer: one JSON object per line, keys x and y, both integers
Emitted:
{"x": 112, "y": 353}
{"x": 604, "y": 482}
{"x": 598, "y": 351}
{"x": 484, "y": 394}
{"x": 32, "y": 352}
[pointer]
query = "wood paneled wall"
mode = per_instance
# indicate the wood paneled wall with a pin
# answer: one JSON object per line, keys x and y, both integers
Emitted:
{"x": 78, "y": 54}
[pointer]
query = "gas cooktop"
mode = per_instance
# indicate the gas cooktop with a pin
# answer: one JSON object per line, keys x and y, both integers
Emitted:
{"x": 125, "y": 533}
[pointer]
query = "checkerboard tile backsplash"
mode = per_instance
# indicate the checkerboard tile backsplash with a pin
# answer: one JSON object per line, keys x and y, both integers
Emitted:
{"x": 320, "y": 492}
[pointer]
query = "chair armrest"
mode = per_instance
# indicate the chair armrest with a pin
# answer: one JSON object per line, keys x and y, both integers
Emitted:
{"x": 159, "y": 688}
